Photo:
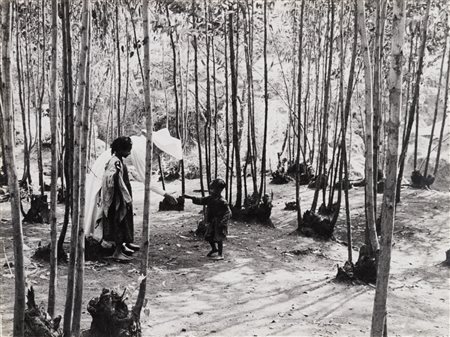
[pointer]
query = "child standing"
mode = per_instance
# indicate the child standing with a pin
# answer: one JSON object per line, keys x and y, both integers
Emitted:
{"x": 218, "y": 214}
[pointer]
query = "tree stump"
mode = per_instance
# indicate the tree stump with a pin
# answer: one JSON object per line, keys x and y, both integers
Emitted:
{"x": 111, "y": 317}
{"x": 165, "y": 205}
{"x": 366, "y": 267}
{"x": 290, "y": 206}
{"x": 420, "y": 181}
{"x": 39, "y": 211}
{"x": 316, "y": 225}
{"x": 280, "y": 178}
{"x": 37, "y": 322}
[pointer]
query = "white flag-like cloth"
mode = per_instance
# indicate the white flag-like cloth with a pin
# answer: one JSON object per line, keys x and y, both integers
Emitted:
{"x": 162, "y": 139}
{"x": 171, "y": 145}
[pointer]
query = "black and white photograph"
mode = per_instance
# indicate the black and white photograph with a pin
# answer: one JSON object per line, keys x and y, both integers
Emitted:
{"x": 224, "y": 168}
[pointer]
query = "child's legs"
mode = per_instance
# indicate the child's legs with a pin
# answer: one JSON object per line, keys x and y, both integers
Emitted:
{"x": 213, "y": 245}
{"x": 219, "y": 247}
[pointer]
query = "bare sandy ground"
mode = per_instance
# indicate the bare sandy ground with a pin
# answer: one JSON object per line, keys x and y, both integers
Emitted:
{"x": 262, "y": 287}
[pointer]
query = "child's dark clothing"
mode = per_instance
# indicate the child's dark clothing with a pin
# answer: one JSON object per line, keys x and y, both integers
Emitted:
{"x": 217, "y": 216}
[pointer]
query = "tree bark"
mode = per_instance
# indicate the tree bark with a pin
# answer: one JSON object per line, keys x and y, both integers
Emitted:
{"x": 55, "y": 157}
{"x": 299, "y": 112}
{"x": 119, "y": 72}
{"x": 266, "y": 106}
{"x": 236, "y": 147}
{"x": 414, "y": 103}
{"x": 84, "y": 110}
{"x": 388, "y": 205}
{"x": 6, "y": 108}
{"x": 227, "y": 129}
{"x": 427, "y": 160}
{"x": 370, "y": 210}
{"x": 71, "y": 326}
{"x": 441, "y": 136}
{"x": 197, "y": 110}
{"x": 148, "y": 164}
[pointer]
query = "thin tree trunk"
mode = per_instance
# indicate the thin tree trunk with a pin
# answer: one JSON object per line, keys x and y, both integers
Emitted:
{"x": 227, "y": 129}
{"x": 344, "y": 145}
{"x": 441, "y": 136}
{"x": 26, "y": 179}
{"x": 6, "y": 108}
{"x": 388, "y": 206}
{"x": 237, "y": 155}
{"x": 323, "y": 157}
{"x": 39, "y": 108}
{"x": 414, "y": 103}
{"x": 148, "y": 165}
{"x": 83, "y": 110}
{"x": 72, "y": 325}
{"x": 69, "y": 139}
{"x": 427, "y": 160}
{"x": 119, "y": 71}
{"x": 370, "y": 210}
{"x": 215, "y": 109}
{"x": 55, "y": 157}
{"x": 197, "y": 110}
{"x": 299, "y": 107}
{"x": 266, "y": 106}
{"x": 178, "y": 110}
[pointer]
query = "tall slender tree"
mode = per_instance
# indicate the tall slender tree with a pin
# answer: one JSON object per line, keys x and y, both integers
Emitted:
{"x": 415, "y": 100}
{"x": 441, "y": 135}
{"x": 436, "y": 106}
{"x": 388, "y": 206}
{"x": 72, "y": 326}
{"x": 369, "y": 191}
{"x": 299, "y": 113}
{"x": 55, "y": 157}
{"x": 148, "y": 164}
{"x": 234, "y": 98}
{"x": 6, "y": 110}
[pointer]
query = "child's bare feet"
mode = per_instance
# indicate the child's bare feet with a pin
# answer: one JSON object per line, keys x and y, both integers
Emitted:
{"x": 211, "y": 252}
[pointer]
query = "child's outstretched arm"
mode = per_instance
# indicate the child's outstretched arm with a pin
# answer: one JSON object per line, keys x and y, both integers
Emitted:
{"x": 197, "y": 200}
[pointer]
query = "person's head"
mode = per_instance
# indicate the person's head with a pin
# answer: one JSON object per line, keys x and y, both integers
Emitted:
{"x": 121, "y": 146}
{"x": 216, "y": 186}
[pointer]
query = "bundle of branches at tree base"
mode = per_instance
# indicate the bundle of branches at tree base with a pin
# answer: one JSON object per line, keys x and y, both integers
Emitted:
{"x": 165, "y": 205}
{"x": 316, "y": 225}
{"x": 95, "y": 251}
{"x": 366, "y": 267}
{"x": 37, "y": 322}
{"x": 338, "y": 185}
{"x": 290, "y": 206}
{"x": 43, "y": 253}
{"x": 280, "y": 178}
{"x": 329, "y": 211}
{"x": 322, "y": 180}
{"x": 419, "y": 181}
{"x": 173, "y": 173}
{"x": 255, "y": 210}
{"x": 39, "y": 211}
{"x": 111, "y": 317}
{"x": 306, "y": 172}
{"x": 346, "y": 274}
{"x": 192, "y": 171}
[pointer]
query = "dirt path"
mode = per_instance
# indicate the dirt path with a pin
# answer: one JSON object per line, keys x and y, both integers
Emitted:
{"x": 271, "y": 283}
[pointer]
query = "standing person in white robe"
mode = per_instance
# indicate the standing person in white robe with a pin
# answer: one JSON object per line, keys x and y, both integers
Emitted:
{"x": 109, "y": 211}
